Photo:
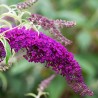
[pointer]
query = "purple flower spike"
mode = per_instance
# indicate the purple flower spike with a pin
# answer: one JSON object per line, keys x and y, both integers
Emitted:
{"x": 53, "y": 26}
{"x": 26, "y": 4}
{"x": 44, "y": 84}
{"x": 44, "y": 49}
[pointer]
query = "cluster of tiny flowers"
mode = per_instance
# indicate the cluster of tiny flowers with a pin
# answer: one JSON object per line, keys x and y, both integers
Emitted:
{"x": 26, "y": 4}
{"x": 44, "y": 49}
{"x": 53, "y": 26}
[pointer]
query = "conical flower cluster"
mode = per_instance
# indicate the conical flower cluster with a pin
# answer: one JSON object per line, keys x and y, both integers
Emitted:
{"x": 43, "y": 49}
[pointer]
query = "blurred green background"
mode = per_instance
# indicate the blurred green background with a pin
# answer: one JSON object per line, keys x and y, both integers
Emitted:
{"x": 24, "y": 77}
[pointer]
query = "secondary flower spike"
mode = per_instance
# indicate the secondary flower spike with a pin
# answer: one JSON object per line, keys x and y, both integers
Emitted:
{"x": 53, "y": 26}
{"x": 44, "y": 49}
{"x": 26, "y": 4}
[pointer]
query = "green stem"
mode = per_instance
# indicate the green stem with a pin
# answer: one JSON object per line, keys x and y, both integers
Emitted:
{"x": 6, "y": 22}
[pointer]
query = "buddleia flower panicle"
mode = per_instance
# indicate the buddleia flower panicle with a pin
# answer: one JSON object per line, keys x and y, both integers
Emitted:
{"x": 26, "y": 4}
{"x": 44, "y": 84}
{"x": 44, "y": 49}
{"x": 53, "y": 26}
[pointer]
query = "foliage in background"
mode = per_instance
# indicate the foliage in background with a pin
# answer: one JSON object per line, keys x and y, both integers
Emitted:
{"x": 24, "y": 77}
